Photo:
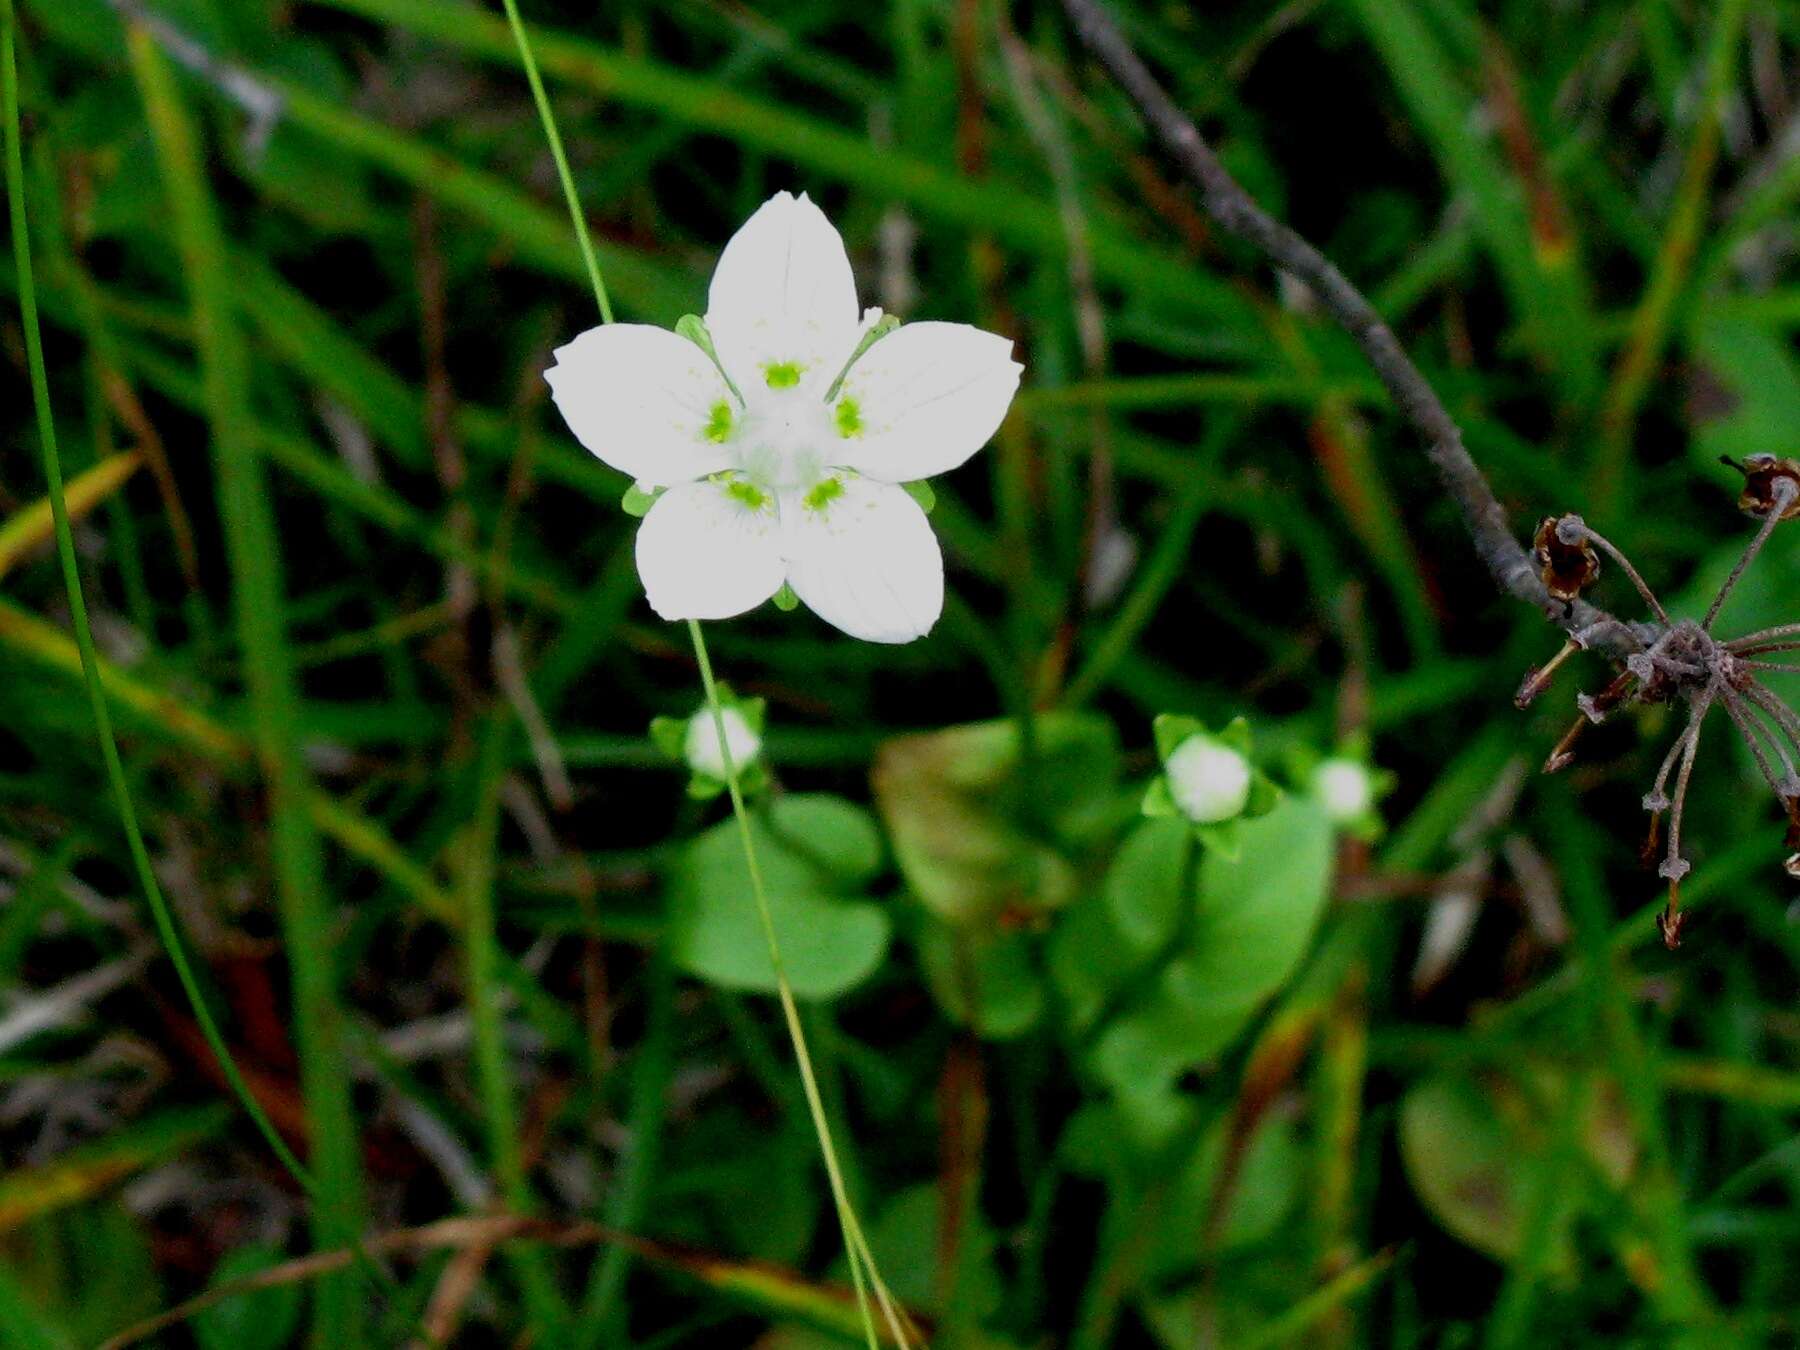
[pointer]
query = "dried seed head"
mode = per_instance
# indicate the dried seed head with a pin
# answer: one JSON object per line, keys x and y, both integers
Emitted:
{"x": 1568, "y": 568}
{"x": 1669, "y": 923}
{"x": 1537, "y": 679}
{"x": 1763, "y": 492}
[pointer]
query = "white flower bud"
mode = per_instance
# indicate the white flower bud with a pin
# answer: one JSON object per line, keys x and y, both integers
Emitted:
{"x": 1209, "y": 782}
{"x": 704, "y": 752}
{"x": 1345, "y": 790}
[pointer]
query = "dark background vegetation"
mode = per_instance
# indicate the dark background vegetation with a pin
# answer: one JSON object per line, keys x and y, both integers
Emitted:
{"x": 1488, "y": 1108}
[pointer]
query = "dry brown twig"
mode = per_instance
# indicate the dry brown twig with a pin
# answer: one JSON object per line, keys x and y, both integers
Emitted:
{"x": 1663, "y": 658}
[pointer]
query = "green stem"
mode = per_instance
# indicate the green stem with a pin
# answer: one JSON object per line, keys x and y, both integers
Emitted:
{"x": 862, "y": 1261}
{"x": 855, "y": 1245}
{"x": 552, "y": 135}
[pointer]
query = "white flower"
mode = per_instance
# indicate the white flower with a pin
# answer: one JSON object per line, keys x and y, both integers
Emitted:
{"x": 1345, "y": 789}
{"x": 1210, "y": 782}
{"x": 782, "y": 461}
{"x": 702, "y": 744}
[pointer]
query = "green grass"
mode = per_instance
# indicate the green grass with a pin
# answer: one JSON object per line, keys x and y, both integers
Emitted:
{"x": 432, "y": 917}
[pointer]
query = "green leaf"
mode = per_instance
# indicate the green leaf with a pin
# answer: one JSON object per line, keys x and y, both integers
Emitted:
{"x": 1475, "y": 1151}
{"x": 637, "y": 502}
{"x": 1171, "y": 729}
{"x": 1237, "y": 735}
{"x": 986, "y": 981}
{"x": 1223, "y": 839}
{"x": 815, "y": 853}
{"x": 263, "y": 1319}
{"x": 1157, "y": 800}
{"x": 785, "y": 599}
{"x": 1108, "y": 937}
{"x": 920, "y": 491}
{"x": 669, "y": 735}
{"x": 969, "y": 827}
{"x": 1254, "y": 921}
{"x": 1749, "y": 383}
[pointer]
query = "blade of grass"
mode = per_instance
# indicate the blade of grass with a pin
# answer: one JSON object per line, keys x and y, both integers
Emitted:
{"x": 26, "y": 529}
{"x": 1639, "y": 363}
{"x": 174, "y": 716}
{"x": 548, "y": 1313}
{"x": 1012, "y": 215}
{"x": 1548, "y": 293}
{"x": 253, "y": 552}
{"x": 88, "y": 660}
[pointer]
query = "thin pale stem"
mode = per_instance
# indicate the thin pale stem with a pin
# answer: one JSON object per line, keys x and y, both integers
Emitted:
{"x": 1776, "y": 667}
{"x": 1658, "y": 799}
{"x": 1784, "y": 716}
{"x": 1674, "y": 866}
{"x": 1754, "y": 733}
{"x": 1607, "y": 547}
{"x": 1786, "y": 630}
{"x": 1783, "y": 498}
{"x": 855, "y": 1247}
{"x": 1772, "y": 733}
{"x": 1766, "y": 649}
{"x": 554, "y": 137}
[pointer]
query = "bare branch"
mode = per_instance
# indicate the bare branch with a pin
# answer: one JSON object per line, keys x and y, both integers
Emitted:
{"x": 1236, "y": 211}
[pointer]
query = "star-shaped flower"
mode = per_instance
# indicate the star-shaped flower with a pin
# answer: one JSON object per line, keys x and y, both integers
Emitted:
{"x": 780, "y": 433}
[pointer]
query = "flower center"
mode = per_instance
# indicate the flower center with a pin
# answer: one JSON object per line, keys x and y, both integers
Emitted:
{"x": 784, "y": 437}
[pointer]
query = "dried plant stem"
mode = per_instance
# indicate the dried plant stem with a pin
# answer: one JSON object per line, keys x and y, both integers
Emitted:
{"x": 1778, "y": 711}
{"x": 1674, "y": 865}
{"x": 1754, "y": 734}
{"x": 1612, "y": 551}
{"x": 1783, "y": 499}
{"x": 1786, "y": 630}
{"x": 1235, "y": 210}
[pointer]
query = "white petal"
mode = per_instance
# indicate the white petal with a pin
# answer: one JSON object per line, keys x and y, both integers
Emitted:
{"x": 866, "y": 561}
{"x": 783, "y": 292}
{"x": 923, "y": 399}
{"x": 704, "y": 553}
{"x": 643, "y": 399}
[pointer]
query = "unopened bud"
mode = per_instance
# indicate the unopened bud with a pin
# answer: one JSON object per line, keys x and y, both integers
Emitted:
{"x": 1209, "y": 782}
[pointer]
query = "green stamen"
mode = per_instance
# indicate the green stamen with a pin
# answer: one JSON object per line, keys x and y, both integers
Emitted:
{"x": 823, "y": 494}
{"x": 742, "y": 490}
{"x": 782, "y": 374}
{"x": 719, "y": 422}
{"x": 849, "y": 417}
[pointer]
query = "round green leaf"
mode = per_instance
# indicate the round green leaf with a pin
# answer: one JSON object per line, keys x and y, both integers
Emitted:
{"x": 814, "y": 853}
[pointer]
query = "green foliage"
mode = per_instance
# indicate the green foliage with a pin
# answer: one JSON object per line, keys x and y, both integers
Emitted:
{"x": 979, "y": 829}
{"x": 368, "y": 622}
{"x": 819, "y": 853}
{"x": 1232, "y": 933}
{"x": 264, "y": 1319}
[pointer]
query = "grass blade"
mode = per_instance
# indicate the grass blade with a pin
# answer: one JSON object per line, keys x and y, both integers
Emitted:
{"x": 253, "y": 551}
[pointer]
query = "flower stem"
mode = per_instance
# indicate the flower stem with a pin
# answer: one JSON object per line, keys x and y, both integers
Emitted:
{"x": 863, "y": 1271}
{"x": 856, "y": 1246}
{"x": 562, "y": 160}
